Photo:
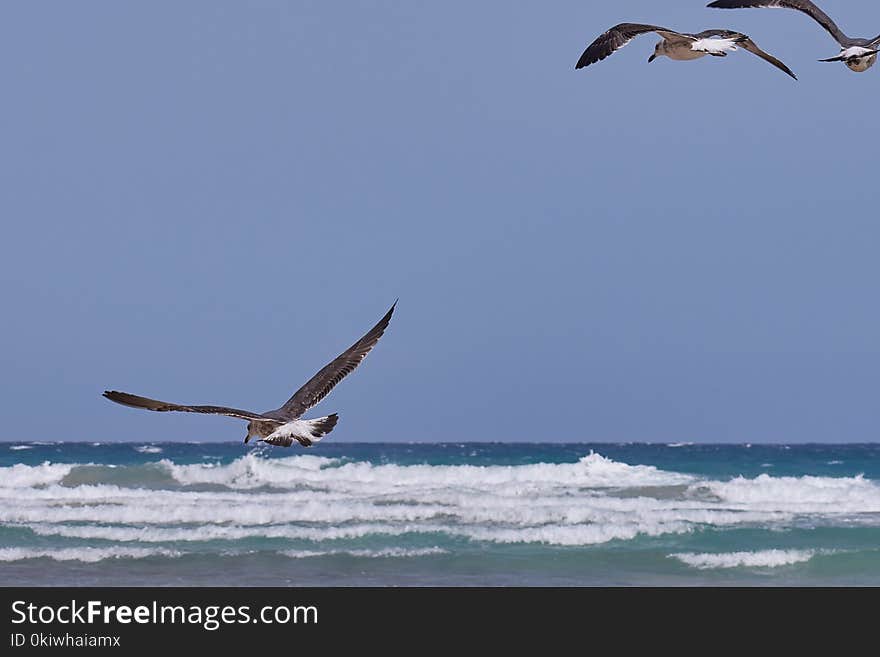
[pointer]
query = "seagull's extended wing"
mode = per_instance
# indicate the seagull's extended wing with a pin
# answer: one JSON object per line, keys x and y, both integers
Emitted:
{"x": 804, "y": 6}
{"x": 752, "y": 47}
{"x": 744, "y": 42}
{"x": 615, "y": 39}
{"x": 320, "y": 385}
{"x": 134, "y": 401}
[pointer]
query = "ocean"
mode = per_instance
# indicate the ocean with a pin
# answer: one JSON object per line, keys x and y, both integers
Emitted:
{"x": 454, "y": 514}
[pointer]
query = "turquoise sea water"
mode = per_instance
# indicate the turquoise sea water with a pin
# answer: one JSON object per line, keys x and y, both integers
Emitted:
{"x": 456, "y": 514}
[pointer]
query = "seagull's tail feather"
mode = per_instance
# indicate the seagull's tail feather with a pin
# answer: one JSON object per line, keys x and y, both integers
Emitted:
{"x": 305, "y": 432}
{"x": 322, "y": 426}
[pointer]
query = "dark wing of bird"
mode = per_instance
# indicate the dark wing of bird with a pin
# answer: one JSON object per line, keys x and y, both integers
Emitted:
{"x": 134, "y": 401}
{"x": 752, "y": 47}
{"x": 746, "y": 43}
{"x": 320, "y": 385}
{"x": 804, "y": 6}
{"x": 615, "y": 39}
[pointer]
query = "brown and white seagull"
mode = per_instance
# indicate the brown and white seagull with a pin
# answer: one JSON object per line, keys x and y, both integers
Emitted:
{"x": 858, "y": 54}
{"x": 680, "y": 46}
{"x": 283, "y": 425}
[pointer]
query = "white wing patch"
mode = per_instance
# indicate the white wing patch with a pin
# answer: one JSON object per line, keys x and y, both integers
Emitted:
{"x": 857, "y": 51}
{"x": 714, "y": 46}
{"x": 306, "y": 429}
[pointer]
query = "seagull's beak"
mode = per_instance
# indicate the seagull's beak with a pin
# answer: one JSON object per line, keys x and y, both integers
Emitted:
{"x": 247, "y": 438}
{"x": 652, "y": 58}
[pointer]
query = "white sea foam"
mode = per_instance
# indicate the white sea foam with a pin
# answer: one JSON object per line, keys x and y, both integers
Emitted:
{"x": 384, "y": 553}
{"x": 593, "y": 471}
{"x": 85, "y": 554}
{"x": 148, "y": 449}
{"x": 27, "y": 476}
{"x": 806, "y": 494}
{"x": 572, "y": 535}
{"x": 313, "y": 498}
{"x": 16, "y": 448}
{"x": 250, "y": 471}
{"x": 152, "y": 534}
{"x": 121, "y": 514}
{"x": 758, "y": 559}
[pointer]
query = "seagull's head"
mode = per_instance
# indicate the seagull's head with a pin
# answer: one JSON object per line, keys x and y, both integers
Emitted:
{"x": 657, "y": 52}
{"x": 252, "y": 431}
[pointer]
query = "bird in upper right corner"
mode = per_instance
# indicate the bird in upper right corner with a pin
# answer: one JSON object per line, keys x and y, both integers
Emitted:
{"x": 858, "y": 54}
{"x": 679, "y": 46}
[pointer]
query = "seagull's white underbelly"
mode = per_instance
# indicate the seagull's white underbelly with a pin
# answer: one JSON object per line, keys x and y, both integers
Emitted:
{"x": 857, "y": 63}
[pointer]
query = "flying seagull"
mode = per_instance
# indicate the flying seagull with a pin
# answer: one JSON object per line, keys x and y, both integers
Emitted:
{"x": 679, "y": 46}
{"x": 858, "y": 54}
{"x": 283, "y": 425}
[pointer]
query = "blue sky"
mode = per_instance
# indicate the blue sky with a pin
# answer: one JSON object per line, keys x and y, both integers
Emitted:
{"x": 206, "y": 201}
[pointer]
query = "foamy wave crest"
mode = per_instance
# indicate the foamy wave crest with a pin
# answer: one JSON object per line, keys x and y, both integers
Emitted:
{"x": 384, "y": 553}
{"x": 28, "y": 476}
{"x": 16, "y": 448}
{"x": 579, "y": 534}
{"x": 124, "y": 534}
{"x": 318, "y": 499}
{"x": 148, "y": 449}
{"x": 759, "y": 559}
{"x": 311, "y": 498}
{"x": 604, "y": 472}
{"x": 800, "y": 494}
{"x": 250, "y": 471}
{"x": 84, "y": 554}
{"x": 593, "y": 471}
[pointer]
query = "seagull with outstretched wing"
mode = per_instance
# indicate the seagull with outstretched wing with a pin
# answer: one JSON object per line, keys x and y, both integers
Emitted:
{"x": 858, "y": 54}
{"x": 284, "y": 425}
{"x": 679, "y": 46}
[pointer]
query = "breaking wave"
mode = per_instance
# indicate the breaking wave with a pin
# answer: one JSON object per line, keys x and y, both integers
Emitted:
{"x": 148, "y": 449}
{"x": 84, "y": 554}
{"x": 384, "y": 553}
{"x": 304, "y": 500}
{"x": 757, "y": 559}
{"x": 28, "y": 476}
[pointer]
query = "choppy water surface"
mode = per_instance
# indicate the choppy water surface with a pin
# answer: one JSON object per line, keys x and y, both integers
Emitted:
{"x": 450, "y": 514}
